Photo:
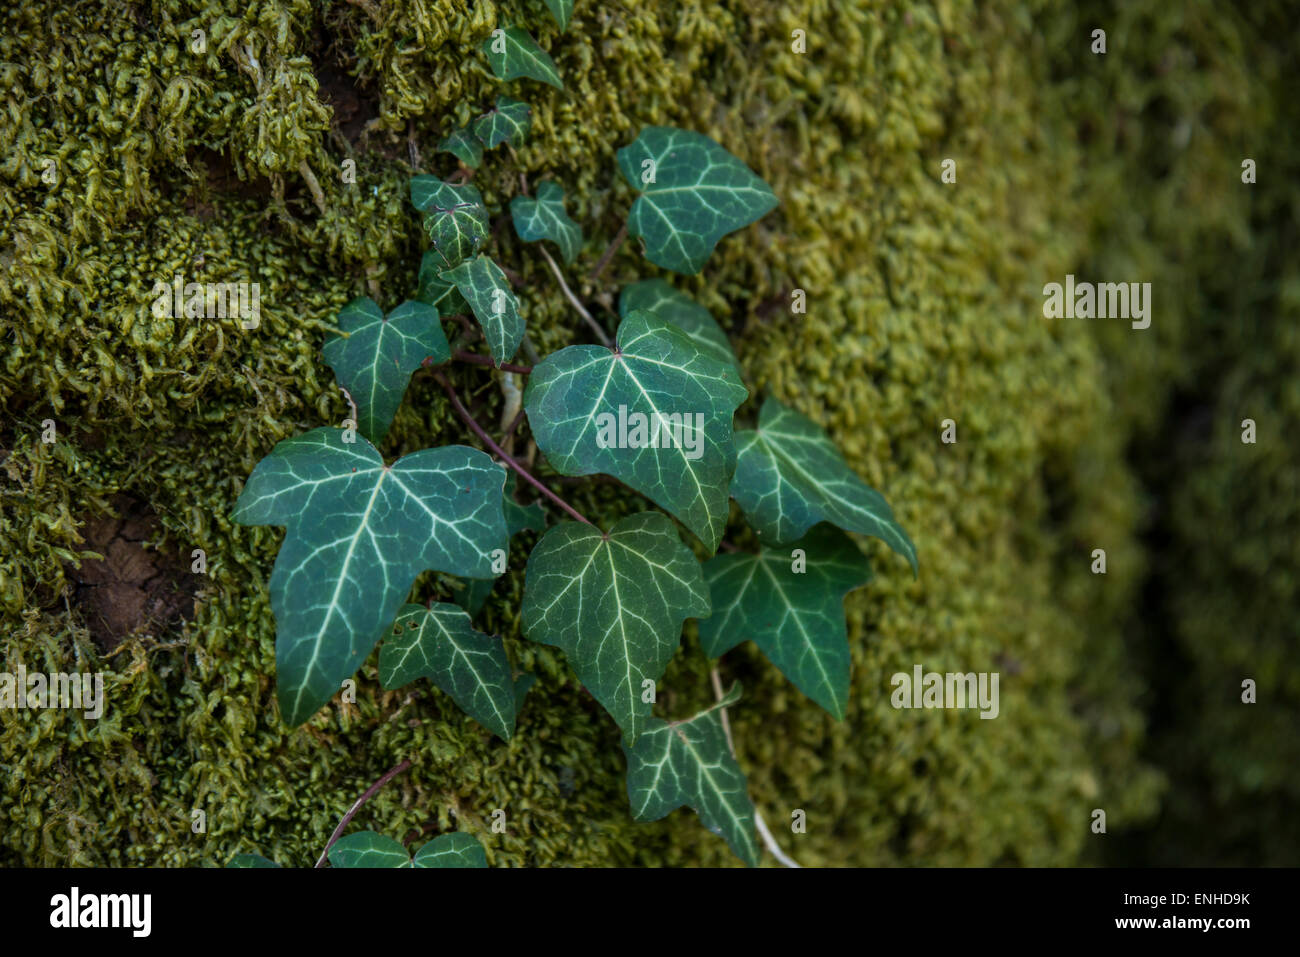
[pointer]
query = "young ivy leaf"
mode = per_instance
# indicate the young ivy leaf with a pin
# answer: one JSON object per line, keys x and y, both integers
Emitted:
{"x": 375, "y": 361}
{"x": 507, "y": 122}
{"x": 676, "y": 763}
{"x": 438, "y": 292}
{"x": 789, "y": 476}
{"x": 461, "y": 144}
{"x": 693, "y": 192}
{"x": 545, "y": 218}
{"x": 513, "y": 53}
{"x": 488, "y": 293}
{"x": 614, "y": 603}
{"x": 671, "y": 305}
{"x": 454, "y": 217}
{"x": 368, "y": 849}
{"x": 519, "y": 518}
{"x": 654, "y": 412}
{"x": 359, "y": 532}
{"x": 562, "y": 11}
{"x": 791, "y": 603}
{"x": 440, "y": 643}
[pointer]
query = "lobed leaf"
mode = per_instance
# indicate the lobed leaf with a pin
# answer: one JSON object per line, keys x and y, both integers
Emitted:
{"x": 485, "y": 287}
{"x": 375, "y": 359}
{"x": 546, "y": 218}
{"x": 795, "y": 617}
{"x": 513, "y": 54}
{"x": 578, "y": 398}
{"x": 462, "y": 144}
{"x": 697, "y": 193}
{"x": 673, "y": 306}
{"x": 615, "y": 603}
{"x": 358, "y": 534}
{"x": 507, "y": 122}
{"x": 790, "y": 476}
{"x": 454, "y": 217}
{"x": 519, "y": 518}
{"x": 680, "y": 763}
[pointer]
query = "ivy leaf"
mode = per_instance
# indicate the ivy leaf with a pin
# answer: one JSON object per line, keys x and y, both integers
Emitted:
{"x": 507, "y": 122}
{"x": 368, "y": 849}
{"x": 789, "y": 476}
{"x": 454, "y": 217}
{"x": 562, "y": 11}
{"x": 693, "y": 192}
{"x": 545, "y": 218}
{"x": 251, "y": 860}
{"x": 584, "y": 402}
{"x": 375, "y": 361}
{"x": 688, "y": 762}
{"x": 792, "y": 606}
{"x": 440, "y": 643}
{"x": 614, "y": 603}
{"x": 674, "y": 306}
{"x": 438, "y": 292}
{"x": 359, "y": 532}
{"x": 519, "y": 518}
{"x": 488, "y": 293}
{"x": 513, "y": 53}
{"x": 456, "y": 849}
{"x": 462, "y": 145}
{"x": 523, "y": 684}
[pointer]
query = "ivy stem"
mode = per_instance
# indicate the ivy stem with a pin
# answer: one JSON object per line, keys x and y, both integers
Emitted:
{"x": 370, "y": 792}
{"x": 763, "y": 832}
{"x": 500, "y": 452}
{"x": 568, "y": 293}
{"x": 475, "y": 359}
{"x": 608, "y": 254}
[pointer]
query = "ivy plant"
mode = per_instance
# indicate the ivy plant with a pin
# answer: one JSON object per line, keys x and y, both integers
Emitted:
{"x": 653, "y": 408}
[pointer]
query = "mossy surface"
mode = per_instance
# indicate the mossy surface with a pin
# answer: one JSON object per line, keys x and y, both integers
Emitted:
{"x": 923, "y": 305}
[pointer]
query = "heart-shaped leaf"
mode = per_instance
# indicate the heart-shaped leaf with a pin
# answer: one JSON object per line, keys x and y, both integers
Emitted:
{"x": 674, "y": 306}
{"x": 513, "y": 53}
{"x": 654, "y": 412}
{"x": 463, "y": 145}
{"x": 790, "y": 476}
{"x": 375, "y": 360}
{"x": 615, "y": 603}
{"x": 359, "y": 532}
{"x": 454, "y": 217}
{"x": 507, "y": 122}
{"x": 440, "y": 643}
{"x": 679, "y": 763}
{"x": 489, "y": 295}
{"x": 438, "y": 292}
{"x": 545, "y": 218}
{"x": 791, "y": 603}
{"x": 519, "y": 518}
{"x": 693, "y": 192}
{"x": 368, "y": 849}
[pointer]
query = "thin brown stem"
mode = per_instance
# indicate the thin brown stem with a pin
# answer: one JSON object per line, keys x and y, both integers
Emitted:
{"x": 370, "y": 792}
{"x": 475, "y": 359}
{"x": 608, "y": 254}
{"x": 568, "y": 293}
{"x": 500, "y": 452}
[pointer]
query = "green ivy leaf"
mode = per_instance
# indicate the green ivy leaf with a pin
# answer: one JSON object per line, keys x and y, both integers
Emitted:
{"x": 574, "y": 397}
{"x": 688, "y": 762}
{"x": 507, "y": 122}
{"x": 375, "y": 360}
{"x": 359, "y": 532}
{"x": 614, "y": 602}
{"x": 513, "y": 53}
{"x": 674, "y": 306}
{"x": 438, "y": 292}
{"x": 562, "y": 11}
{"x": 789, "y": 476}
{"x": 523, "y": 684}
{"x": 454, "y": 217}
{"x": 251, "y": 860}
{"x": 489, "y": 295}
{"x": 699, "y": 193}
{"x": 456, "y": 849}
{"x": 368, "y": 849}
{"x": 440, "y": 643}
{"x": 519, "y": 518}
{"x": 545, "y": 218}
{"x": 796, "y": 617}
{"x": 462, "y": 144}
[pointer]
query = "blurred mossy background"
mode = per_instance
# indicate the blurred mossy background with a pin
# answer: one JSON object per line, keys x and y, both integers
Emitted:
{"x": 1119, "y": 692}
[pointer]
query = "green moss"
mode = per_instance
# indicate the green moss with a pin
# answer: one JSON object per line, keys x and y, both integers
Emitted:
{"x": 923, "y": 305}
